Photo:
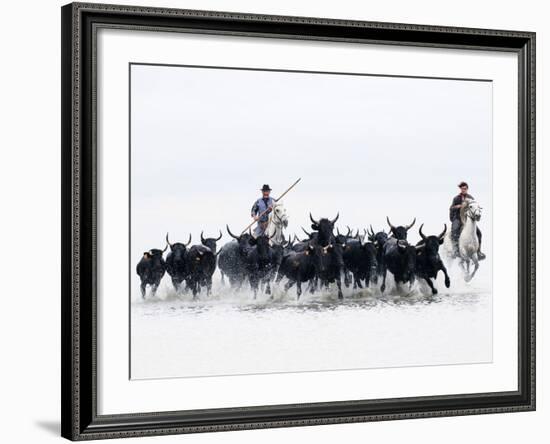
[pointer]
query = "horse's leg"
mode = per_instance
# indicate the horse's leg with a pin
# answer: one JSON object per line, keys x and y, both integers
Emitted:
{"x": 476, "y": 266}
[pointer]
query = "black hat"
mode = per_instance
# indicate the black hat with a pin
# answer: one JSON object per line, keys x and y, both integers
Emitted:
{"x": 265, "y": 188}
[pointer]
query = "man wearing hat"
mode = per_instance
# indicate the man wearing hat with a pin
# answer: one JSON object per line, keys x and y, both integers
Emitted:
{"x": 261, "y": 209}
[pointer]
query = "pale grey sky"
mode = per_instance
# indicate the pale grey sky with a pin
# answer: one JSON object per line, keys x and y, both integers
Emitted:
{"x": 205, "y": 140}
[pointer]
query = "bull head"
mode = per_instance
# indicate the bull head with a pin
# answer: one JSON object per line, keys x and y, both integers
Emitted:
{"x": 425, "y": 238}
{"x": 407, "y": 227}
{"x": 203, "y": 239}
{"x": 315, "y": 224}
{"x": 400, "y": 232}
{"x": 169, "y": 244}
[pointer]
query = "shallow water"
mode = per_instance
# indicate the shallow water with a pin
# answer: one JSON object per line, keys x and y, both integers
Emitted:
{"x": 230, "y": 333}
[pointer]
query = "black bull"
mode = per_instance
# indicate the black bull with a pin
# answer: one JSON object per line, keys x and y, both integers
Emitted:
{"x": 428, "y": 261}
{"x": 201, "y": 264}
{"x": 151, "y": 269}
{"x": 328, "y": 254}
{"x": 360, "y": 261}
{"x": 232, "y": 259}
{"x": 176, "y": 262}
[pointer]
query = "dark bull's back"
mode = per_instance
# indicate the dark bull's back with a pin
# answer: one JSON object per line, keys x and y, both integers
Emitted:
{"x": 151, "y": 269}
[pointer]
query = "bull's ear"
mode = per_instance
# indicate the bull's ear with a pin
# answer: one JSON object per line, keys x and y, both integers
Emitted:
{"x": 441, "y": 241}
{"x": 315, "y": 227}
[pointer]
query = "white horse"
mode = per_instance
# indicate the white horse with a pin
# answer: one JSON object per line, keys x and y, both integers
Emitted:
{"x": 468, "y": 243}
{"x": 277, "y": 222}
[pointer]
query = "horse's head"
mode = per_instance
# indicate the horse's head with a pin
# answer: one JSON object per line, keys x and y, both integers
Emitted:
{"x": 472, "y": 210}
{"x": 279, "y": 215}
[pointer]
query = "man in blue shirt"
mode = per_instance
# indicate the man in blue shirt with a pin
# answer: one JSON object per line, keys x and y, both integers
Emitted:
{"x": 261, "y": 209}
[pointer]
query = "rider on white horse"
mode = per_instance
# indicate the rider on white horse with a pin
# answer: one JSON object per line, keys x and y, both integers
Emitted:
{"x": 261, "y": 209}
{"x": 456, "y": 220}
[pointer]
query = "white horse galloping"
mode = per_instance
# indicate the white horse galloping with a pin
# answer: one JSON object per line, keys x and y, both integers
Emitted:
{"x": 468, "y": 242}
{"x": 278, "y": 221}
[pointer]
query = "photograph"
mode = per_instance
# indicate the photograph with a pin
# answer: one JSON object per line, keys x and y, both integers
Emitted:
{"x": 291, "y": 217}
{"x": 303, "y": 221}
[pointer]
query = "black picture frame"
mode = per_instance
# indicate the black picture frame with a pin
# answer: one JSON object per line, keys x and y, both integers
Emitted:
{"x": 78, "y": 333}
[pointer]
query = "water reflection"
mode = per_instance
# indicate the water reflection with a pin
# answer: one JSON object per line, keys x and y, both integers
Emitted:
{"x": 173, "y": 304}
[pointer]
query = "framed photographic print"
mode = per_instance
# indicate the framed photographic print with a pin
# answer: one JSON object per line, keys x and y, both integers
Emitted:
{"x": 279, "y": 221}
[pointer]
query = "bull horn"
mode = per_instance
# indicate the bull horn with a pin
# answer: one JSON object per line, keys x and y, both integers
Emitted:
{"x": 272, "y": 236}
{"x": 333, "y": 221}
{"x": 219, "y": 237}
{"x": 421, "y": 234}
{"x": 365, "y": 234}
{"x": 419, "y": 247}
{"x": 389, "y": 223}
{"x": 442, "y": 235}
{"x": 349, "y": 231}
{"x": 338, "y": 231}
{"x": 313, "y": 220}
{"x": 230, "y": 233}
{"x": 202, "y": 237}
{"x": 189, "y": 241}
{"x": 165, "y": 248}
{"x": 296, "y": 238}
{"x": 408, "y": 227}
{"x": 304, "y": 230}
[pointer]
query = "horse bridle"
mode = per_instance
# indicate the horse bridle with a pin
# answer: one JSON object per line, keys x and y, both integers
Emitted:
{"x": 280, "y": 221}
{"x": 473, "y": 213}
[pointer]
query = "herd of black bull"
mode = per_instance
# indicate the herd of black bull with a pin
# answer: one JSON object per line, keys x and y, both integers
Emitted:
{"x": 320, "y": 259}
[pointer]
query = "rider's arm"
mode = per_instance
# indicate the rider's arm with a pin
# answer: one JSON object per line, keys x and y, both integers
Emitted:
{"x": 254, "y": 210}
{"x": 456, "y": 202}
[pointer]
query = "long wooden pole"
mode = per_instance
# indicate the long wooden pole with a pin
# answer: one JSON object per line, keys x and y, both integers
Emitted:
{"x": 276, "y": 200}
